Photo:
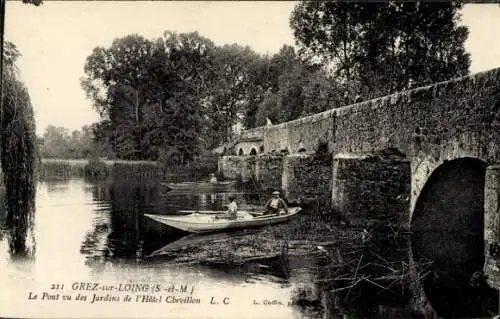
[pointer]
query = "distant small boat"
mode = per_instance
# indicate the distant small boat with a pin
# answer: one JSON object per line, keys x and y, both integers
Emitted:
{"x": 195, "y": 185}
{"x": 207, "y": 223}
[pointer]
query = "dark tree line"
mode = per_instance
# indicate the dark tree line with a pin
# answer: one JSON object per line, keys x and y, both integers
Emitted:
{"x": 180, "y": 95}
{"x": 177, "y": 96}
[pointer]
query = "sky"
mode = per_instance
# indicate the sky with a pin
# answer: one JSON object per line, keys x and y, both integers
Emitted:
{"x": 56, "y": 38}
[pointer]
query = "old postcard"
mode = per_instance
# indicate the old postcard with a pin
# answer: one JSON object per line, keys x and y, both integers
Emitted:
{"x": 309, "y": 159}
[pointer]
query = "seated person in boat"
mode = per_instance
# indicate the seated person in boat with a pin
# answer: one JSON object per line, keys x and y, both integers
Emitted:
{"x": 232, "y": 210}
{"x": 276, "y": 204}
{"x": 213, "y": 179}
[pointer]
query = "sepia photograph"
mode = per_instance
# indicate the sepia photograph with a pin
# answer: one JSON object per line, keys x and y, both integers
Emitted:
{"x": 249, "y": 159}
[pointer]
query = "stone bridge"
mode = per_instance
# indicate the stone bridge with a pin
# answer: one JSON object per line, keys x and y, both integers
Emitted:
{"x": 424, "y": 159}
{"x": 250, "y": 142}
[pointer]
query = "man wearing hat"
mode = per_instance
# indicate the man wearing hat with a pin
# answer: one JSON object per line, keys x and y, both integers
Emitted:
{"x": 276, "y": 204}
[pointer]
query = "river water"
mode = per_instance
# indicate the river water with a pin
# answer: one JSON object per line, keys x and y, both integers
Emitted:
{"x": 95, "y": 233}
{"x": 94, "y": 244}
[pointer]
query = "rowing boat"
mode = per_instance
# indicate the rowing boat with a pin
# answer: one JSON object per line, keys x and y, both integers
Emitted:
{"x": 196, "y": 185}
{"x": 207, "y": 223}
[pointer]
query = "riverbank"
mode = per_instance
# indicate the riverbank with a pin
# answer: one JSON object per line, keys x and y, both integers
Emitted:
{"x": 83, "y": 162}
{"x": 343, "y": 263}
{"x": 126, "y": 169}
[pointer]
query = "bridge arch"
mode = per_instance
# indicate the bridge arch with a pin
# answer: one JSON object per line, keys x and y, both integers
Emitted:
{"x": 246, "y": 147}
{"x": 448, "y": 230}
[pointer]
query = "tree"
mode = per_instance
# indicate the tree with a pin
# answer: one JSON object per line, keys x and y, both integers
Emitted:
{"x": 268, "y": 109}
{"x": 298, "y": 88}
{"x": 143, "y": 89}
{"x": 266, "y": 82}
{"x": 18, "y": 145}
{"x": 378, "y": 48}
{"x": 55, "y": 142}
{"x": 182, "y": 86}
{"x": 117, "y": 81}
{"x": 230, "y": 89}
{"x": 320, "y": 93}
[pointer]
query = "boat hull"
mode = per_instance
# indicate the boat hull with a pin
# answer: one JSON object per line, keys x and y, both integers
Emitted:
{"x": 198, "y": 185}
{"x": 204, "y": 223}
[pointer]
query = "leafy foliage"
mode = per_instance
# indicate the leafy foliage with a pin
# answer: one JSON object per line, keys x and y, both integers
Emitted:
{"x": 96, "y": 169}
{"x": 174, "y": 97}
{"x": 149, "y": 93}
{"x": 299, "y": 88}
{"x": 18, "y": 152}
{"x": 230, "y": 91}
{"x": 57, "y": 142}
{"x": 378, "y": 48}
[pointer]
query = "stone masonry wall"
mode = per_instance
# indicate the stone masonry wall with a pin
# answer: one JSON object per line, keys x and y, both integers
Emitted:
{"x": 276, "y": 138}
{"x": 257, "y": 132}
{"x": 307, "y": 132}
{"x": 492, "y": 225}
{"x": 432, "y": 124}
{"x": 448, "y": 120}
{"x": 370, "y": 188}
{"x": 237, "y": 167}
{"x": 268, "y": 171}
{"x": 305, "y": 178}
{"x": 422, "y": 120}
{"x": 247, "y": 147}
{"x": 415, "y": 121}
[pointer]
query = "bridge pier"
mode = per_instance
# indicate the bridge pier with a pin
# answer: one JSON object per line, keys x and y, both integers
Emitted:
{"x": 305, "y": 178}
{"x": 236, "y": 167}
{"x": 268, "y": 171}
{"x": 369, "y": 188}
{"x": 492, "y": 225}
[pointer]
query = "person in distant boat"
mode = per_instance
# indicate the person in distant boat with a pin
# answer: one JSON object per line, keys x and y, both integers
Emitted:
{"x": 276, "y": 204}
{"x": 213, "y": 179}
{"x": 232, "y": 209}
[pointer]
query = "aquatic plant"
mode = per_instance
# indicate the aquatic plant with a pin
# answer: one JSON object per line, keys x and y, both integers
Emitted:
{"x": 96, "y": 168}
{"x": 54, "y": 170}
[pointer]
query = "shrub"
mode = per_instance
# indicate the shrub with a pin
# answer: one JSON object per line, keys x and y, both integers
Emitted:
{"x": 96, "y": 168}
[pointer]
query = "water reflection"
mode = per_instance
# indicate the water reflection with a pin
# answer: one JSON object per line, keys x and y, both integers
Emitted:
{"x": 379, "y": 262}
{"x": 95, "y": 231}
{"x": 17, "y": 214}
{"x": 455, "y": 284}
{"x": 98, "y": 229}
